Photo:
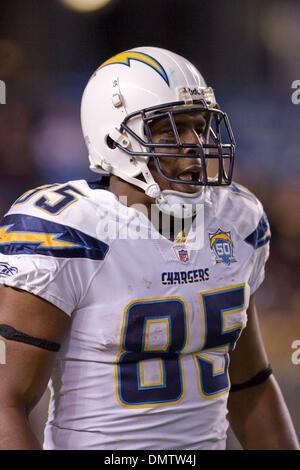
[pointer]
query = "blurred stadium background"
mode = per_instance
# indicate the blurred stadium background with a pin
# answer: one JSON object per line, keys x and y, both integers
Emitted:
{"x": 248, "y": 51}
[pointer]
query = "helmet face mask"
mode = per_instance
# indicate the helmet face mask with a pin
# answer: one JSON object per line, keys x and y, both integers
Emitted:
{"x": 212, "y": 149}
{"x": 128, "y": 95}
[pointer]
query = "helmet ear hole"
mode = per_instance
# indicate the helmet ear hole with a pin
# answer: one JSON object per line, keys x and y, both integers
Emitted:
{"x": 110, "y": 143}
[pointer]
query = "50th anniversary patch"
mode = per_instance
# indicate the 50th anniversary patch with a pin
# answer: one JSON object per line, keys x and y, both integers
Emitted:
{"x": 221, "y": 245}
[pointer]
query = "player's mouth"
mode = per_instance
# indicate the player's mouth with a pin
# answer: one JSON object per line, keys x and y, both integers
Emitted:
{"x": 191, "y": 173}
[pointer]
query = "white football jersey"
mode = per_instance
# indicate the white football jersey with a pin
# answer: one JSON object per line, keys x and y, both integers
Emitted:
{"x": 145, "y": 362}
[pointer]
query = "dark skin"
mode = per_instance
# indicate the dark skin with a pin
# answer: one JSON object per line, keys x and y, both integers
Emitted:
{"x": 190, "y": 128}
{"x": 173, "y": 167}
{"x": 258, "y": 416}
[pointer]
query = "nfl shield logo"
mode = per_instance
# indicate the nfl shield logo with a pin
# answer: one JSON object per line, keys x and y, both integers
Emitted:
{"x": 183, "y": 255}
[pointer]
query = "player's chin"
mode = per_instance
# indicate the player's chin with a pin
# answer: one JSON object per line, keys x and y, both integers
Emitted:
{"x": 185, "y": 188}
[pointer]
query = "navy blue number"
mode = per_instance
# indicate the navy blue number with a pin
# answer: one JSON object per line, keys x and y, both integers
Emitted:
{"x": 31, "y": 193}
{"x": 219, "y": 339}
{"x": 66, "y": 199}
{"x": 220, "y": 332}
{"x": 131, "y": 388}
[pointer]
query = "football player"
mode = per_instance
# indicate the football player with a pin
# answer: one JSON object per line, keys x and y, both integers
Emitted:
{"x": 133, "y": 292}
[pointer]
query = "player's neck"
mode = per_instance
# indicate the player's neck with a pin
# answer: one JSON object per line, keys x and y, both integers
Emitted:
{"x": 130, "y": 195}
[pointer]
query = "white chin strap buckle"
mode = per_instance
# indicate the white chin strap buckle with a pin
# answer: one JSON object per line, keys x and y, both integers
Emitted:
{"x": 153, "y": 191}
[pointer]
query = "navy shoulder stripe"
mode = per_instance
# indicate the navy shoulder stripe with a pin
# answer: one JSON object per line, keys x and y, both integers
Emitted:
{"x": 241, "y": 191}
{"x": 25, "y": 234}
{"x": 261, "y": 235}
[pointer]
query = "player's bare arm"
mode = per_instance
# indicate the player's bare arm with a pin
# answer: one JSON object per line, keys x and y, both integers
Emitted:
{"x": 24, "y": 377}
{"x": 258, "y": 414}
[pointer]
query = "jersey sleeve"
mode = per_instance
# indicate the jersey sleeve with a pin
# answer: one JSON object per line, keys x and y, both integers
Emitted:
{"x": 49, "y": 259}
{"x": 259, "y": 239}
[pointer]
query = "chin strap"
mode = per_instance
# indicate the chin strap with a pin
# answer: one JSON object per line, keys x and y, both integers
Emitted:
{"x": 173, "y": 203}
{"x": 149, "y": 186}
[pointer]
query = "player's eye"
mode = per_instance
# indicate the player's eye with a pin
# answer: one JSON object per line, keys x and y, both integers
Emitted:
{"x": 199, "y": 129}
{"x": 167, "y": 132}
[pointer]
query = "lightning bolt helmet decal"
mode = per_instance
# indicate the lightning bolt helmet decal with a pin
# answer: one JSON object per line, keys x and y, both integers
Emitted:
{"x": 126, "y": 57}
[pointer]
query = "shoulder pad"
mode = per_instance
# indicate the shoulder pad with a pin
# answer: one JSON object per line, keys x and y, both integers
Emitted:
{"x": 54, "y": 220}
{"x": 71, "y": 203}
{"x": 244, "y": 211}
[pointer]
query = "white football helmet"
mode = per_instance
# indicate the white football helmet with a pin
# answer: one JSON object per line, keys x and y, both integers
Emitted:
{"x": 125, "y": 95}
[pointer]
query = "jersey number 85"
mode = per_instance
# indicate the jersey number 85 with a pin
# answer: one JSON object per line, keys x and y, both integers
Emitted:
{"x": 137, "y": 351}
